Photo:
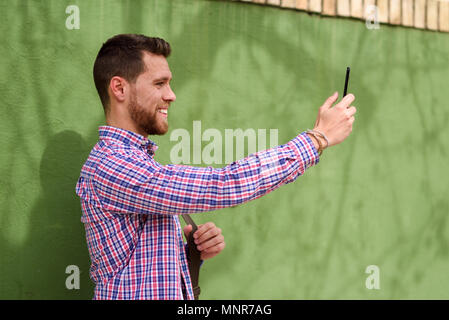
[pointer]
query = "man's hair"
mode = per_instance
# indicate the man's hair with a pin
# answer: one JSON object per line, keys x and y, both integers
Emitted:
{"x": 122, "y": 55}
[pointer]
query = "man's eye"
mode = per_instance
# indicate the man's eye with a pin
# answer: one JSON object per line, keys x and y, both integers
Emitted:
{"x": 159, "y": 83}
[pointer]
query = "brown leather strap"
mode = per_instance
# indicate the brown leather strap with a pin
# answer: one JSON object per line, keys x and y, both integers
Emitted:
{"x": 194, "y": 257}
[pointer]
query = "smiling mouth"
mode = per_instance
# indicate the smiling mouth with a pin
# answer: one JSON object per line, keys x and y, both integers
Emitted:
{"x": 163, "y": 111}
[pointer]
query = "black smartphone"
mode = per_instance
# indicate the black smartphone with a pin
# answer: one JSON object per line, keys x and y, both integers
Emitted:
{"x": 345, "y": 91}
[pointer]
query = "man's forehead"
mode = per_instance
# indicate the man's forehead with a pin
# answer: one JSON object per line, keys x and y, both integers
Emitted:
{"x": 156, "y": 66}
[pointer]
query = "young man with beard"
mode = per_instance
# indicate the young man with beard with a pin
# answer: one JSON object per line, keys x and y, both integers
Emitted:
{"x": 131, "y": 203}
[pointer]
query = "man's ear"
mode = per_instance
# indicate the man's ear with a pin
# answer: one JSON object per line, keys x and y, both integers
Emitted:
{"x": 118, "y": 87}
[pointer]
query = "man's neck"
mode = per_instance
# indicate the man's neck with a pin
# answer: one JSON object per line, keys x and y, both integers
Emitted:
{"x": 119, "y": 118}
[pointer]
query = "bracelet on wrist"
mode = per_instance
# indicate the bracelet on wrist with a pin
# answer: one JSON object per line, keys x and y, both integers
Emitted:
{"x": 320, "y": 146}
{"x": 324, "y": 136}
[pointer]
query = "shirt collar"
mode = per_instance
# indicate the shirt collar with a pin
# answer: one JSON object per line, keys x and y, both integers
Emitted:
{"x": 127, "y": 137}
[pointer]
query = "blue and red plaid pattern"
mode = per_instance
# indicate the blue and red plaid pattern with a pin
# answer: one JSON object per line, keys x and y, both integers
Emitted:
{"x": 131, "y": 204}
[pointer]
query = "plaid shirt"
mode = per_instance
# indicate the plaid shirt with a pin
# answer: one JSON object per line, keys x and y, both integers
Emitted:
{"x": 131, "y": 204}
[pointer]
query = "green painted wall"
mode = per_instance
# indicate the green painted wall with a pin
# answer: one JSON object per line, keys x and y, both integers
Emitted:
{"x": 380, "y": 198}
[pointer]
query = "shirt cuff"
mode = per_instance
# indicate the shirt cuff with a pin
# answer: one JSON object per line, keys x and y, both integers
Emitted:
{"x": 305, "y": 150}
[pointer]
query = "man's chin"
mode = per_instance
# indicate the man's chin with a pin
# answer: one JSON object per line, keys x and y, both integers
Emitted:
{"x": 157, "y": 131}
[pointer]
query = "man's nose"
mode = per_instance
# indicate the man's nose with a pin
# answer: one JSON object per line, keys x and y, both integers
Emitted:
{"x": 169, "y": 95}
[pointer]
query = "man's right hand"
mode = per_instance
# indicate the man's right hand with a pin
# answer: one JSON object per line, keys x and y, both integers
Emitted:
{"x": 335, "y": 122}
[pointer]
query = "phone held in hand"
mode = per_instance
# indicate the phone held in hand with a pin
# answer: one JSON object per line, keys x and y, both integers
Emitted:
{"x": 345, "y": 91}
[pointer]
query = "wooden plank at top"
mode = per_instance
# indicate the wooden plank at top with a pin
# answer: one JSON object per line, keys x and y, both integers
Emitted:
{"x": 315, "y": 5}
{"x": 288, "y": 3}
{"x": 444, "y": 16}
{"x": 367, "y": 8}
{"x": 382, "y": 12}
{"x": 357, "y": 8}
{"x": 297, "y": 4}
{"x": 419, "y": 14}
{"x": 274, "y": 2}
{"x": 407, "y": 13}
{"x": 395, "y": 11}
{"x": 302, "y": 4}
{"x": 329, "y": 7}
{"x": 343, "y": 8}
{"x": 432, "y": 15}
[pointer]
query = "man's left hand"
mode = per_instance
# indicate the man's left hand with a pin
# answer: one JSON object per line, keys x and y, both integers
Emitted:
{"x": 208, "y": 239}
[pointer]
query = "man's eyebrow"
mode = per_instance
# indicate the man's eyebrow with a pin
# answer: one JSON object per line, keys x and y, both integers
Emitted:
{"x": 162, "y": 79}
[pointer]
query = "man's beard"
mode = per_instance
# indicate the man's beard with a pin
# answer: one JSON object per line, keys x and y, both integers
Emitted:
{"x": 145, "y": 119}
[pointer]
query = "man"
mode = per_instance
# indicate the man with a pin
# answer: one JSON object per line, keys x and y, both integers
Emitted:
{"x": 131, "y": 203}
